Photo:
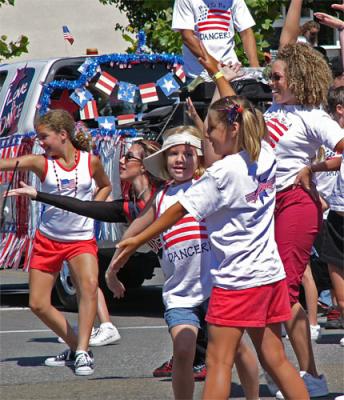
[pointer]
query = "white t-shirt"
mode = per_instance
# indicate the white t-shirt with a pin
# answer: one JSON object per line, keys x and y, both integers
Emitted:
{"x": 295, "y": 134}
{"x": 214, "y": 23}
{"x": 326, "y": 180}
{"x": 237, "y": 199}
{"x": 62, "y": 225}
{"x": 336, "y": 199}
{"x": 186, "y": 257}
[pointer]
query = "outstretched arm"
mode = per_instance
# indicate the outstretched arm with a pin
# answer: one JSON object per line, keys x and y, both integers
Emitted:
{"x": 106, "y": 211}
{"x": 291, "y": 27}
{"x": 31, "y": 162}
{"x": 128, "y": 246}
{"x": 335, "y": 23}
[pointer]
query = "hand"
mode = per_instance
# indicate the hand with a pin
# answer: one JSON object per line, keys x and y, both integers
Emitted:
{"x": 191, "y": 111}
{"x": 125, "y": 249}
{"x": 232, "y": 71}
{"x": 330, "y": 20}
{"x": 208, "y": 61}
{"x": 339, "y": 7}
{"x": 25, "y": 190}
{"x": 304, "y": 179}
{"x": 114, "y": 284}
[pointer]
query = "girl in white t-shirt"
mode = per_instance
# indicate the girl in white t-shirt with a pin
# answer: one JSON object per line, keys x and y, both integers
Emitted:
{"x": 186, "y": 259}
{"x": 236, "y": 197}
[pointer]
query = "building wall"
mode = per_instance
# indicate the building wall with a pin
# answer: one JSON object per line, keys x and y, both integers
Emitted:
{"x": 90, "y": 22}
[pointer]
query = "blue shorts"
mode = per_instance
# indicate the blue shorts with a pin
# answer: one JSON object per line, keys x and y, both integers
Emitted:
{"x": 187, "y": 315}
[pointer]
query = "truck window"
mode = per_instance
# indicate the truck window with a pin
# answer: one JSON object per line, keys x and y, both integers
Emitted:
{"x": 14, "y": 101}
{"x": 107, "y": 105}
{"x": 3, "y": 75}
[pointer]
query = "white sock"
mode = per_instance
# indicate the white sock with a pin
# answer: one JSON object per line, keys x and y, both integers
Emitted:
{"x": 107, "y": 325}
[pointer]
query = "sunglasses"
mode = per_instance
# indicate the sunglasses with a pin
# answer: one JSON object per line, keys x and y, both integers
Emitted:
{"x": 130, "y": 157}
{"x": 275, "y": 77}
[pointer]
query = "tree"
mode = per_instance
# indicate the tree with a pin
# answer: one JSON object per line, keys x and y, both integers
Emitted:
{"x": 155, "y": 18}
{"x": 13, "y": 48}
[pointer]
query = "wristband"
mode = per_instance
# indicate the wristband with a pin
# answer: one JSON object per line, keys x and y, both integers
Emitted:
{"x": 218, "y": 75}
{"x": 341, "y": 29}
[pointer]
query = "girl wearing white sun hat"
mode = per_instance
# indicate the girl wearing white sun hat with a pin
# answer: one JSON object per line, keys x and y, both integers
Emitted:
{"x": 186, "y": 255}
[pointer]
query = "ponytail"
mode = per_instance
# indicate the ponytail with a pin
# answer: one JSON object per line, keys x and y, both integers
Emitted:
{"x": 252, "y": 128}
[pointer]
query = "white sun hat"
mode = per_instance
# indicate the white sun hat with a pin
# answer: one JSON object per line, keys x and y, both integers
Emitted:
{"x": 156, "y": 163}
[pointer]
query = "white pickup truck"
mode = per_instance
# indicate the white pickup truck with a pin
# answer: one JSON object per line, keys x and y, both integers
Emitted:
{"x": 27, "y": 88}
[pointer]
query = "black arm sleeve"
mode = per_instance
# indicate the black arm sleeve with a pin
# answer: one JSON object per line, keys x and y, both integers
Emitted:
{"x": 106, "y": 211}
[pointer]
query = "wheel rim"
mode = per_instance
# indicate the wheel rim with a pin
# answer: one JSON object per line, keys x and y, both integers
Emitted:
{"x": 66, "y": 280}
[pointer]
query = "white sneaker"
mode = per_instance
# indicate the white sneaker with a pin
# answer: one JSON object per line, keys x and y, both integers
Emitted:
{"x": 105, "y": 334}
{"x": 315, "y": 332}
{"x": 317, "y": 387}
{"x": 84, "y": 363}
{"x": 341, "y": 342}
{"x": 75, "y": 329}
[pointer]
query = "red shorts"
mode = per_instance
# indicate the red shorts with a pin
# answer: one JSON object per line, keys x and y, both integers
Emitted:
{"x": 298, "y": 220}
{"x": 256, "y": 307}
{"x": 48, "y": 254}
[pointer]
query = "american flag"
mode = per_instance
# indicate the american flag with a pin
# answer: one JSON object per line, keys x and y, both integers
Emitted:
{"x": 185, "y": 229}
{"x": 179, "y": 72}
{"x": 106, "y": 83}
{"x": 148, "y": 93}
{"x": 81, "y": 97}
{"x": 125, "y": 119}
{"x": 276, "y": 130}
{"x": 67, "y": 183}
{"x": 90, "y": 110}
{"x": 126, "y": 92}
{"x": 214, "y": 19}
{"x": 67, "y": 35}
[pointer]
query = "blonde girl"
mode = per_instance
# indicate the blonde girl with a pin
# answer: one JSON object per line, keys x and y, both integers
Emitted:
{"x": 65, "y": 168}
{"x": 186, "y": 258}
{"x": 236, "y": 195}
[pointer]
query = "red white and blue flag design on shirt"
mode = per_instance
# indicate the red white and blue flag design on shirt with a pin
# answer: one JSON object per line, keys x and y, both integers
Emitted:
{"x": 67, "y": 183}
{"x": 276, "y": 129}
{"x": 184, "y": 230}
{"x": 265, "y": 185}
{"x": 214, "y": 19}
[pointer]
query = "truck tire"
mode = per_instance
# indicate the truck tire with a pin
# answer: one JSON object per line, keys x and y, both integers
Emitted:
{"x": 65, "y": 290}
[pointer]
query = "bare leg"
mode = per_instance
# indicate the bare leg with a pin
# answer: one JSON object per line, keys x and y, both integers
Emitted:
{"x": 102, "y": 310}
{"x": 270, "y": 350}
{"x": 337, "y": 279}
{"x": 223, "y": 343}
{"x": 41, "y": 284}
{"x": 184, "y": 348}
{"x": 311, "y": 294}
{"x": 247, "y": 367}
{"x": 300, "y": 339}
{"x": 84, "y": 269}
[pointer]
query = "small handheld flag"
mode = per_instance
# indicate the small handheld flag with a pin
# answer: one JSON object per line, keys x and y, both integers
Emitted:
{"x": 67, "y": 35}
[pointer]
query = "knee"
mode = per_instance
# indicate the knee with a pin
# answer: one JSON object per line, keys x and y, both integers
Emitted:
{"x": 89, "y": 286}
{"x": 37, "y": 306}
{"x": 271, "y": 361}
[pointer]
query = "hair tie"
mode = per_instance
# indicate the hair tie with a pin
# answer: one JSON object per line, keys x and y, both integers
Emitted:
{"x": 233, "y": 111}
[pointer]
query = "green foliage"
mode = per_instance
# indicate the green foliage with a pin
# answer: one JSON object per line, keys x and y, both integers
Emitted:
{"x": 10, "y": 2}
{"x": 155, "y": 18}
{"x": 13, "y": 48}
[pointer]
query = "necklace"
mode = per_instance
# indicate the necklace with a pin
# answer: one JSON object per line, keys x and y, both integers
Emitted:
{"x": 141, "y": 193}
{"x": 58, "y": 180}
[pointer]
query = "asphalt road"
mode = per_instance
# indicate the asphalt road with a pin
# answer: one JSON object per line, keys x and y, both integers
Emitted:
{"x": 124, "y": 370}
